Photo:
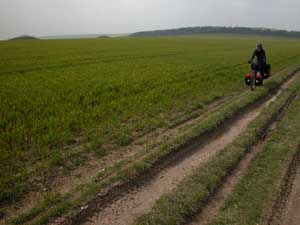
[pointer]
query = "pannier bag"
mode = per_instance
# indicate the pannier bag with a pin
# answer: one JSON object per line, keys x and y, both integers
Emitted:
{"x": 258, "y": 80}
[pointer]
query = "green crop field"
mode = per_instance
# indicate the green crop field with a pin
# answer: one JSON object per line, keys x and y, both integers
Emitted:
{"x": 63, "y": 98}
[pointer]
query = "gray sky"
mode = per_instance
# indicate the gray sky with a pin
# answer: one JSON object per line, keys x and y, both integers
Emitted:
{"x": 59, "y": 17}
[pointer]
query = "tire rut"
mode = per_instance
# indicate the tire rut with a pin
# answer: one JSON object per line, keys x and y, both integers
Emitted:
{"x": 214, "y": 205}
{"x": 286, "y": 209}
{"x": 65, "y": 183}
{"x": 124, "y": 209}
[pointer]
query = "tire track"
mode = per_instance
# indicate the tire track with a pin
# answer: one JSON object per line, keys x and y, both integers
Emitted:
{"x": 126, "y": 208}
{"x": 215, "y": 204}
{"x": 80, "y": 176}
{"x": 286, "y": 209}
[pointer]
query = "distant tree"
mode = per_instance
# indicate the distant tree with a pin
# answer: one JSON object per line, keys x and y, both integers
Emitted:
{"x": 217, "y": 30}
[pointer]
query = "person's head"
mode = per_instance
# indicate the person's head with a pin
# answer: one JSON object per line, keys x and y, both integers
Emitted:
{"x": 259, "y": 47}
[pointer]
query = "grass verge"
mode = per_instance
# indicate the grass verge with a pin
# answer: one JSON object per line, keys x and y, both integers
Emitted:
{"x": 193, "y": 193}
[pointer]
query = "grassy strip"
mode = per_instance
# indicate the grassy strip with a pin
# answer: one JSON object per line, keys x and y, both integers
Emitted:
{"x": 192, "y": 194}
{"x": 49, "y": 201}
{"x": 254, "y": 194}
{"x": 120, "y": 174}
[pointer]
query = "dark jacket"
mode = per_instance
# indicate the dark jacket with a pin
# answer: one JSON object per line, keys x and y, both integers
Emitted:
{"x": 260, "y": 55}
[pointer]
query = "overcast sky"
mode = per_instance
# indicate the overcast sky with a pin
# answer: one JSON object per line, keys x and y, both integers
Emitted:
{"x": 59, "y": 17}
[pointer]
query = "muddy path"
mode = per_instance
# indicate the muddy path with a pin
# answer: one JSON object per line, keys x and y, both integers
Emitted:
{"x": 125, "y": 208}
{"x": 286, "y": 210}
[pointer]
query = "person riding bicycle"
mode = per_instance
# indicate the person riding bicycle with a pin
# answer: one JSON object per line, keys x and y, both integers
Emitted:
{"x": 259, "y": 66}
{"x": 261, "y": 57}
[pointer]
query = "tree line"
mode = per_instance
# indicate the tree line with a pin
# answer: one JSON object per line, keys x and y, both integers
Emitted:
{"x": 218, "y": 30}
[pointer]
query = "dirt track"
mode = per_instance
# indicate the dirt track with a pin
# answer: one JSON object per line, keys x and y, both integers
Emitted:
{"x": 64, "y": 183}
{"x": 286, "y": 210}
{"x": 292, "y": 212}
{"x": 213, "y": 207}
{"x": 125, "y": 209}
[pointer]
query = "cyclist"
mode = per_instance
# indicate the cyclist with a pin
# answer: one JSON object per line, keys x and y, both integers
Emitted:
{"x": 261, "y": 59}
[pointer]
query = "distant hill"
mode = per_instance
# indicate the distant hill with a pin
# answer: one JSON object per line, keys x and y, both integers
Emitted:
{"x": 104, "y": 36}
{"x": 24, "y": 37}
{"x": 71, "y": 36}
{"x": 217, "y": 30}
{"x": 82, "y": 36}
